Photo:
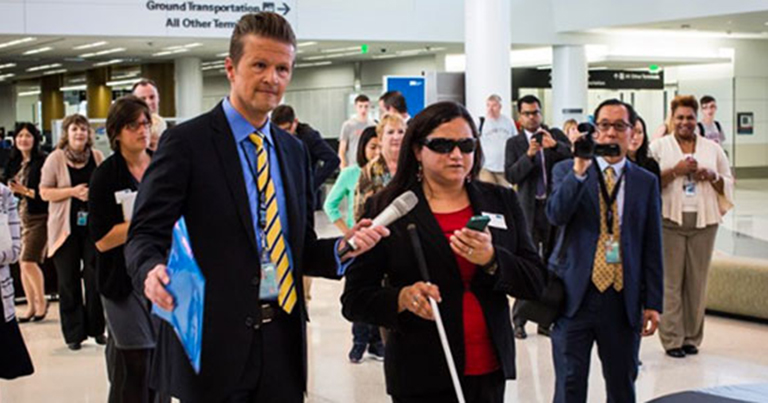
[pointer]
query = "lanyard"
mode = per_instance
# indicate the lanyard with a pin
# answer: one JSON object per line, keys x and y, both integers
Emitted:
{"x": 609, "y": 199}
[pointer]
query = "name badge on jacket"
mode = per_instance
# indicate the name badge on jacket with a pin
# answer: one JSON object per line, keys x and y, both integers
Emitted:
{"x": 497, "y": 220}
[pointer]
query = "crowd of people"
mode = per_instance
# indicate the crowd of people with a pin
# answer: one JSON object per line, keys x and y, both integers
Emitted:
{"x": 628, "y": 231}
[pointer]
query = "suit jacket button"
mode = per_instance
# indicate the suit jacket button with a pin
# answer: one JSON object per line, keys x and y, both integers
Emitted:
{"x": 249, "y": 321}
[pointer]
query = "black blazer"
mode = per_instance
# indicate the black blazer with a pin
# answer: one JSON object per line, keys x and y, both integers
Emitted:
{"x": 414, "y": 361}
{"x": 196, "y": 173}
{"x": 519, "y": 168}
{"x": 323, "y": 159}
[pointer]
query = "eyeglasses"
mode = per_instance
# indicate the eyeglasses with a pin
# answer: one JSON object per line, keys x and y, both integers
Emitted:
{"x": 530, "y": 114}
{"x": 133, "y": 126}
{"x": 446, "y": 146}
{"x": 620, "y": 126}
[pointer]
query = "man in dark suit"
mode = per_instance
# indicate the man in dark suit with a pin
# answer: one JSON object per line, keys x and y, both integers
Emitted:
{"x": 244, "y": 188}
{"x": 608, "y": 255}
{"x": 322, "y": 159}
{"x": 528, "y": 163}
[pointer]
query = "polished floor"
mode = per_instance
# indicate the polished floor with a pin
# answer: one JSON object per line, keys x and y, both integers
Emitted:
{"x": 734, "y": 352}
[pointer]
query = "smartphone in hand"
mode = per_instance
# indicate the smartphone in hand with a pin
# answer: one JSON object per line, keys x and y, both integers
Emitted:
{"x": 478, "y": 223}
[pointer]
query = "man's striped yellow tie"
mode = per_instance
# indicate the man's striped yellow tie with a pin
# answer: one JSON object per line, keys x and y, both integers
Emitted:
{"x": 275, "y": 241}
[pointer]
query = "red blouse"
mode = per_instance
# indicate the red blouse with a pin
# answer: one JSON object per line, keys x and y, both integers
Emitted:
{"x": 480, "y": 355}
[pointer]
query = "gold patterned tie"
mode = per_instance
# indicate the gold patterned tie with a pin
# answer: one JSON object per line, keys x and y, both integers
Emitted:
{"x": 603, "y": 273}
{"x": 275, "y": 242}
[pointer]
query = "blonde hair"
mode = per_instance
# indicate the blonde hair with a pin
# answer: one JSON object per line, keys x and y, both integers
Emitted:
{"x": 568, "y": 124}
{"x": 391, "y": 119}
{"x": 75, "y": 119}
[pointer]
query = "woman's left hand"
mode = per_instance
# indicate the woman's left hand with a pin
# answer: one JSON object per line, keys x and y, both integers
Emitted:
{"x": 705, "y": 175}
{"x": 17, "y": 188}
{"x": 475, "y": 246}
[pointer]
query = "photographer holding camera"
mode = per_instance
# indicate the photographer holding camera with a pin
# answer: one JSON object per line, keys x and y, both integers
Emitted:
{"x": 528, "y": 164}
{"x": 608, "y": 255}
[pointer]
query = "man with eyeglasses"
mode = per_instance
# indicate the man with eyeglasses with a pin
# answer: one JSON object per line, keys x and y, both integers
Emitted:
{"x": 609, "y": 257}
{"x": 528, "y": 164}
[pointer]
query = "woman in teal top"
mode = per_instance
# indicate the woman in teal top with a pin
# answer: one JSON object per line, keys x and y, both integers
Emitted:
{"x": 368, "y": 149}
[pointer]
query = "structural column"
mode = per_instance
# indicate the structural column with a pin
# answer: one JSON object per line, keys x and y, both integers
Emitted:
{"x": 52, "y": 99}
{"x": 189, "y": 87}
{"x": 487, "y": 31}
{"x": 7, "y": 107}
{"x": 98, "y": 93}
{"x": 163, "y": 75}
{"x": 570, "y": 78}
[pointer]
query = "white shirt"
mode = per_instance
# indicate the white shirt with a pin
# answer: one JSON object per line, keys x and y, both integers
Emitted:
{"x": 618, "y": 169}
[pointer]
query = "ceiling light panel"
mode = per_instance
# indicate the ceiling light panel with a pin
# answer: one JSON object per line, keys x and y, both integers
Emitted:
{"x": 16, "y": 42}
{"x": 102, "y": 52}
{"x": 38, "y": 50}
{"x": 44, "y": 67}
{"x": 90, "y": 45}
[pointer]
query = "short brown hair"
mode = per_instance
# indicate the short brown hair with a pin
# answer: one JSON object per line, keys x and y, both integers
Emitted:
{"x": 75, "y": 119}
{"x": 264, "y": 24}
{"x": 687, "y": 101}
{"x": 121, "y": 113}
{"x": 143, "y": 82}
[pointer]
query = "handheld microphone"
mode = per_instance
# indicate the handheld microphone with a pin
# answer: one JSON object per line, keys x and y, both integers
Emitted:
{"x": 399, "y": 207}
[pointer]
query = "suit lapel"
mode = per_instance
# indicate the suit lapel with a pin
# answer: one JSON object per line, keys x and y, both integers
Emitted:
{"x": 593, "y": 188}
{"x": 223, "y": 141}
{"x": 629, "y": 201}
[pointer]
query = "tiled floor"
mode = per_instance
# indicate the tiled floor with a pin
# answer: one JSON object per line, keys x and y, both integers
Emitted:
{"x": 734, "y": 352}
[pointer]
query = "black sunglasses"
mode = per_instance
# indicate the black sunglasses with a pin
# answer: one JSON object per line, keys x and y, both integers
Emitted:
{"x": 445, "y": 146}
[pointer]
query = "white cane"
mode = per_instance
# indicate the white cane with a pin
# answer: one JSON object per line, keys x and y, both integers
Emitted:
{"x": 438, "y": 319}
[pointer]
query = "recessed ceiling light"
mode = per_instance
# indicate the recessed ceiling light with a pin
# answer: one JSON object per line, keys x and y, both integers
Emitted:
{"x": 187, "y": 46}
{"x": 170, "y": 52}
{"x": 225, "y": 54}
{"x": 7, "y": 65}
{"x": 102, "y": 52}
{"x": 29, "y": 93}
{"x": 81, "y": 87}
{"x": 52, "y": 72}
{"x": 118, "y": 83}
{"x": 38, "y": 50}
{"x": 4, "y": 76}
{"x": 44, "y": 67}
{"x": 302, "y": 65}
{"x": 107, "y": 63}
{"x": 16, "y": 42}
{"x": 303, "y": 44}
{"x": 90, "y": 45}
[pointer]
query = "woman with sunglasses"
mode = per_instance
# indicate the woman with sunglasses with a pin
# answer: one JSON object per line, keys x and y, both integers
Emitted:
{"x": 470, "y": 272}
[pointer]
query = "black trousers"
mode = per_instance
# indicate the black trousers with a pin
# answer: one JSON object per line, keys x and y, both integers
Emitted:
{"x": 76, "y": 265}
{"x": 128, "y": 373}
{"x": 542, "y": 241}
{"x": 274, "y": 372}
{"x": 487, "y": 388}
{"x": 365, "y": 334}
{"x": 601, "y": 320}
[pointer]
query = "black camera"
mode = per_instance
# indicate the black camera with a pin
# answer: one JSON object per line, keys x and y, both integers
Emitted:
{"x": 538, "y": 137}
{"x": 585, "y": 147}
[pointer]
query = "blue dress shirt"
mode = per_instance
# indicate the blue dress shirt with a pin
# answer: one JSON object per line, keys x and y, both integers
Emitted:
{"x": 241, "y": 129}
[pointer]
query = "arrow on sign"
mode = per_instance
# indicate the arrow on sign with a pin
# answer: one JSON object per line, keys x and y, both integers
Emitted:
{"x": 284, "y": 9}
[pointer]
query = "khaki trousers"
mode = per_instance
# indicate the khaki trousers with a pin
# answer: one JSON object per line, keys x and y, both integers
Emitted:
{"x": 687, "y": 254}
{"x": 497, "y": 178}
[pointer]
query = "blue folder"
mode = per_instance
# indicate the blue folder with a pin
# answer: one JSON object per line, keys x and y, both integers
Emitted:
{"x": 187, "y": 287}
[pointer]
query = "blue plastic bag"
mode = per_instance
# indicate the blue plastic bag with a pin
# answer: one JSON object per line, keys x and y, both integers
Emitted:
{"x": 187, "y": 287}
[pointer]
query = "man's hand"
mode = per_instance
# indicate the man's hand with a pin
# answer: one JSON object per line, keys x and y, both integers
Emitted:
{"x": 154, "y": 287}
{"x": 650, "y": 322}
{"x": 533, "y": 147}
{"x": 547, "y": 141}
{"x": 580, "y": 166}
{"x": 366, "y": 237}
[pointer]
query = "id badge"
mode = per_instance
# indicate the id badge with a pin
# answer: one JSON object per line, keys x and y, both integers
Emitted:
{"x": 689, "y": 188}
{"x": 82, "y": 218}
{"x": 612, "y": 254}
{"x": 268, "y": 286}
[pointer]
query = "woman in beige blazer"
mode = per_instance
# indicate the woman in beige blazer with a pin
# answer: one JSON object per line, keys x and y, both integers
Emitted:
{"x": 697, "y": 190}
{"x": 64, "y": 184}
